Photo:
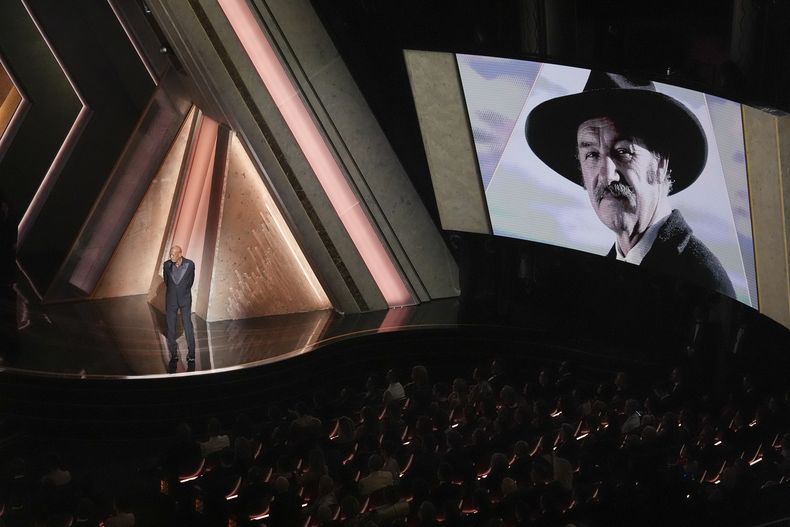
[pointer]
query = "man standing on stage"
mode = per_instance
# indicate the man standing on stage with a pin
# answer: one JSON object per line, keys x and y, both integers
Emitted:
{"x": 179, "y": 274}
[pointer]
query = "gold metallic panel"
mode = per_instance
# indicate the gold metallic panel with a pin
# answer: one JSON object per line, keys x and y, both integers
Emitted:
{"x": 763, "y": 161}
{"x": 10, "y": 99}
{"x": 259, "y": 269}
{"x": 136, "y": 260}
{"x": 449, "y": 147}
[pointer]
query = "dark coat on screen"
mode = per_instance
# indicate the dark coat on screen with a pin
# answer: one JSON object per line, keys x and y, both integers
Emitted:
{"x": 678, "y": 252}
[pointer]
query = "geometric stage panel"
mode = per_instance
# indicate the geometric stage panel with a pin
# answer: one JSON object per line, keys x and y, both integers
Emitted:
{"x": 136, "y": 259}
{"x": 258, "y": 269}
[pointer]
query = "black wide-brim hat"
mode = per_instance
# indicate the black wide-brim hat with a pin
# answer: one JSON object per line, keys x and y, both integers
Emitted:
{"x": 663, "y": 123}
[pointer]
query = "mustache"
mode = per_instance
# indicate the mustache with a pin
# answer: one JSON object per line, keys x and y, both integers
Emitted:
{"x": 616, "y": 189}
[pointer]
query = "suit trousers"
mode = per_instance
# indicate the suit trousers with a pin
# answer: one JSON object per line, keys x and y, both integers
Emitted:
{"x": 171, "y": 313}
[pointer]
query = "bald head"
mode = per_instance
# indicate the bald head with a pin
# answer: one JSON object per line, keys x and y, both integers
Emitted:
{"x": 175, "y": 254}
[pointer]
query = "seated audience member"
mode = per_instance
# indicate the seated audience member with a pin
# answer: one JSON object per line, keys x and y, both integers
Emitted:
{"x": 395, "y": 390}
{"x": 388, "y": 449}
{"x": 377, "y": 477}
{"x": 546, "y": 388}
{"x": 392, "y": 425}
{"x": 344, "y": 404}
{"x": 218, "y": 482}
{"x": 427, "y": 515}
{"x": 496, "y": 472}
{"x": 351, "y": 513}
{"x": 521, "y": 465}
{"x": 482, "y": 502}
{"x": 55, "y": 473}
{"x": 255, "y": 494}
{"x": 567, "y": 446}
{"x": 441, "y": 395}
{"x": 325, "y": 495}
{"x": 216, "y": 440}
{"x": 85, "y": 515}
{"x": 481, "y": 390}
{"x": 424, "y": 462}
{"x": 244, "y": 426}
{"x": 373, "y": 393}
{"x": 286, "y": 467}
{"x": 183, "y": 455}
{"x": 122, "y": 515}
{"x": 316, "y": 468}
{"x": 566, "y": 377}
{"x": 633, "y": 417}
{"x": 498, "y": 377}
{"x": 419, "y": 389}
{"x": 323, "y": 517}
{"x": 286, "y": 507}
{"x": 305, "y": 429}
{"x": 243, "y": 453}
{"x": 511, "y": 496}
{"x": 346, "y": 435}
{"x": 367, "y": 433}
{"x": 459, "y": 397}
{"x": 446, "y": 494}
{"x": 462, "y": 467}
{"x": 479, "y": 448}
{"x": 509, "y": 398}
{"x": 423, "y": 428}
{"x": 394, "y": 509}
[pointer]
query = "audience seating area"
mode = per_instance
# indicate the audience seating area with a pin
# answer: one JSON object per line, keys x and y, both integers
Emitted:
{"x": 551, "y": 447}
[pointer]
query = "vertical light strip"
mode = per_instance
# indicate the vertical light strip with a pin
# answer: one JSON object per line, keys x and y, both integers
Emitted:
{"x": 65, "y": 148}
{"x": 136, "y": 46}
{"x": 197, "y": 237}
{"x": 199, "y": 166}
{"x": 312, "y": 144}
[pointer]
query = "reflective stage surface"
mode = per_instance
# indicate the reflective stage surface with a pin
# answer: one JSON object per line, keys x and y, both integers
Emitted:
{"x": 126, "y": 336}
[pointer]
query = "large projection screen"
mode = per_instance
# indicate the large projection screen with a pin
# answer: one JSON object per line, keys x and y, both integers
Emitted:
{"x": 528, "y": 199}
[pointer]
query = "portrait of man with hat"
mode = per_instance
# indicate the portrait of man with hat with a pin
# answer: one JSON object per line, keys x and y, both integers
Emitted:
{"x": 631, "y": 148}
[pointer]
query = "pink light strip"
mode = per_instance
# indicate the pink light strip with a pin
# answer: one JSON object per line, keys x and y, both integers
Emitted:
{"x": 53, "y": 172}
{"x": 319, "y": 157}
{"x": 197, "y": 238}
{"x": 199, "y": 167}
{"x": 140, "y": 53}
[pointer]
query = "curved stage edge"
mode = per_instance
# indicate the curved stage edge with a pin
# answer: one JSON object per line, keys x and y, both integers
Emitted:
{"x": 93, "y": 407}
{"x": 124, "y": 338}
{"x": 98, "y": 368}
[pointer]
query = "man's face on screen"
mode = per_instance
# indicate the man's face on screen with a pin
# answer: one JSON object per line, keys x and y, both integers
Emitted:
{"x": 624, "y": 180}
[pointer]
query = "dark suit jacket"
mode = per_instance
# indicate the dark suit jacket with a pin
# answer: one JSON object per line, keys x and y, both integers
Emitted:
{"x": 677, "y": 251}
{"x": 179, "y": 294}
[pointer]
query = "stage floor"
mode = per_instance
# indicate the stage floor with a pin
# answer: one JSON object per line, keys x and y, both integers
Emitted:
{"x": 125, "y": 337}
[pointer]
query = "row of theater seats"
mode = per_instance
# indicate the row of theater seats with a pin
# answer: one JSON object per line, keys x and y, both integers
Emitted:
{"x": 546, "y": 446}
{"x": 559, "y": 450}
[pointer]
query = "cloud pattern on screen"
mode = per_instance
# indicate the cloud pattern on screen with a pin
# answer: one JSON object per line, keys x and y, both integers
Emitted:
{"x": 493, "y": 120}
{"x": 528, "y": 200}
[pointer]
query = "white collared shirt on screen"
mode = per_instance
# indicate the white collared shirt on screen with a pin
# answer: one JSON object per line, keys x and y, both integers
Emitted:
{"x": 643, "y": 246}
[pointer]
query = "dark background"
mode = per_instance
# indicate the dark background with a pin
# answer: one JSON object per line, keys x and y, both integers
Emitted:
{"x": 732, "y": 48}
